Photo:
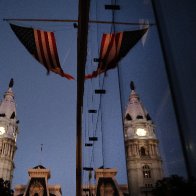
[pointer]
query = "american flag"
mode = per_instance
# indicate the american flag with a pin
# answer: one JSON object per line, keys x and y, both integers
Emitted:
{"x": 42, "y": 45}
{"x": 114, "y": 46}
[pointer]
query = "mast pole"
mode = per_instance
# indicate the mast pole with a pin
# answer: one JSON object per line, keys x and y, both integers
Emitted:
{"x": 83, "y": 19}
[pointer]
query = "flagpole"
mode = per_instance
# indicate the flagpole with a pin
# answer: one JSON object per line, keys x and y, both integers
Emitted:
{"x": 76, "y": 21}
{"x": 83, "y": 18}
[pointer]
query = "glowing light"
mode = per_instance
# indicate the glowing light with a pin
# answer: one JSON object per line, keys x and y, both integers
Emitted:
{"x": 2, "y": 130}
{"x": 141, "y": 132}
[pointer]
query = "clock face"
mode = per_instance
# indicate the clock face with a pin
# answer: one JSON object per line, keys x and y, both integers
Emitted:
{"x": 141, "y": 132}
{"x": 2, "y": 130}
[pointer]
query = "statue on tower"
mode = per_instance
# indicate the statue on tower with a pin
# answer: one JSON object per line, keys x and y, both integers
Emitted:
{"x": 132, "y": 85}
{"x": 11, "y": 84}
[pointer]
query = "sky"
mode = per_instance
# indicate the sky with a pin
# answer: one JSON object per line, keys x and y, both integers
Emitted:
{"x": 46, "y": 105}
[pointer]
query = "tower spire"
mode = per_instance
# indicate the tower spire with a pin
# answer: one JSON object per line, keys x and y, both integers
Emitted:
{"x": 135, "y": 107}
{"x": 8, "y": 106}
{"x": 142, "y": 153}
{"x": 8, "y": 133}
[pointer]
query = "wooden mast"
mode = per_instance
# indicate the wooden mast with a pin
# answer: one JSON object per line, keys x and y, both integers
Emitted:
{"x": 83, "y": 18}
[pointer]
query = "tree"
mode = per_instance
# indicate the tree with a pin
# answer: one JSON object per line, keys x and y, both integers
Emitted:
{"x": 5, "y": 188}
{"x": 174, "y": 186}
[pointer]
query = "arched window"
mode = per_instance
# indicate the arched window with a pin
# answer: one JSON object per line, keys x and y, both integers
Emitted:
{"x": 148, "y": 117}
{"x": 128, "y": 117}
{"x": 146, "y": 171}
{"x": 139, "y": 117}
{"x": 142, "y": 151}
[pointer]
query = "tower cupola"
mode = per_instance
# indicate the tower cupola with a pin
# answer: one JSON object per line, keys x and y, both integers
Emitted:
{"x": 137, "y": 121}
{"x": 8, "y": 133}
{"x": 135, "y": 109}
{"x": 8, "y": 106}
{"x": 144, "y": 163}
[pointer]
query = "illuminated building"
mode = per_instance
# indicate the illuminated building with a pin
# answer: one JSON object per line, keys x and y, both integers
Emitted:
{"x": 38, "y": 184}
{"x": 144, "y": 164}
{"x": 106, "y": 184}
{"x": 8, "y": 134}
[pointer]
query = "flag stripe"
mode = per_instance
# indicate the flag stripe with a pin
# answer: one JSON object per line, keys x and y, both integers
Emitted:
{"x": 119, "y": 41}
{"x": 108, "y": 44}
{"x": 110, "y": 47}
{"x": 49, "y": 57}
{"x": 103, "y": 50}
{"x": 114, "y": 50}
{"x": 114, "y": 47}
{"x": 110, "y": 40}
{"x": 40, "y": 45}
{"x": 51, "y": 49}
{"x": 39, "y": 49}
{"x": 104, "y": 45}
{"x": 111, "y": 50}
{"x": 44, "y": 47}
{"x": 112, "y": 60}
{"x": 55, "y": 51}
{"x": 38, "y": 56}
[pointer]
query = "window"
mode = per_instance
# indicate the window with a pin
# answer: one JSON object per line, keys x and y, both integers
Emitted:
{"x": 139, "y": 117}
{"x": 142, "y": 151}
{"x": 128, "y": 117}
{"x": 146, "y": 171}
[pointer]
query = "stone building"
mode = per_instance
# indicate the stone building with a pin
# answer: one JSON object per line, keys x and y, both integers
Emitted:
{"x": 106, "y": 184}
{"x": 38, "y": 184}
{"x": 144, "y": 164}
{"x": 8, "y": 134}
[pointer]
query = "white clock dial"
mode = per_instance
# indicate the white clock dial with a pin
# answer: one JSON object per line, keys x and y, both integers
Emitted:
{"x": 2, "y": 130}
{"x": 141, "y": 132}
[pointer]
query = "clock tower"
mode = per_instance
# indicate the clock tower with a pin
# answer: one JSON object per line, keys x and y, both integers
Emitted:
{"x": 8, "y": 133}
{"x": 144, "y": 163}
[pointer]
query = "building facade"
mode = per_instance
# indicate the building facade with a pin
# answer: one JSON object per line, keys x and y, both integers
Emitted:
{"x": 8, "y": 134}
{"x": 144, "y": 164}
{"x": 106, "y": 184}
{"x": 38, "y": 184}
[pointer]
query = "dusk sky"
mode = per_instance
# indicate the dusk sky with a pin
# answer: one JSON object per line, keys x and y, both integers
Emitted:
{"x": 46, "y": 105}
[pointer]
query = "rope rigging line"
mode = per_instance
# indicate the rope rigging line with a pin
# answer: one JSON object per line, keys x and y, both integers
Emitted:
{"x": 98, "y": 116}
{"x": 95, "y": 120}
{"x": 92, "y": 119}
{"x": 89, "y": 122}
{"x": 101, "y": 85}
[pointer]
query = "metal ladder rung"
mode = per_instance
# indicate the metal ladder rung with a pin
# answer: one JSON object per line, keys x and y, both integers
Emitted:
{"x": 88, "y": 168}
{"x": 93, "y": 138}
{"x": 112, "y": 7}
{"x": 100, "y": 91}
{"x": 92, "y": 111}
{"x": 88, "y": 144}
